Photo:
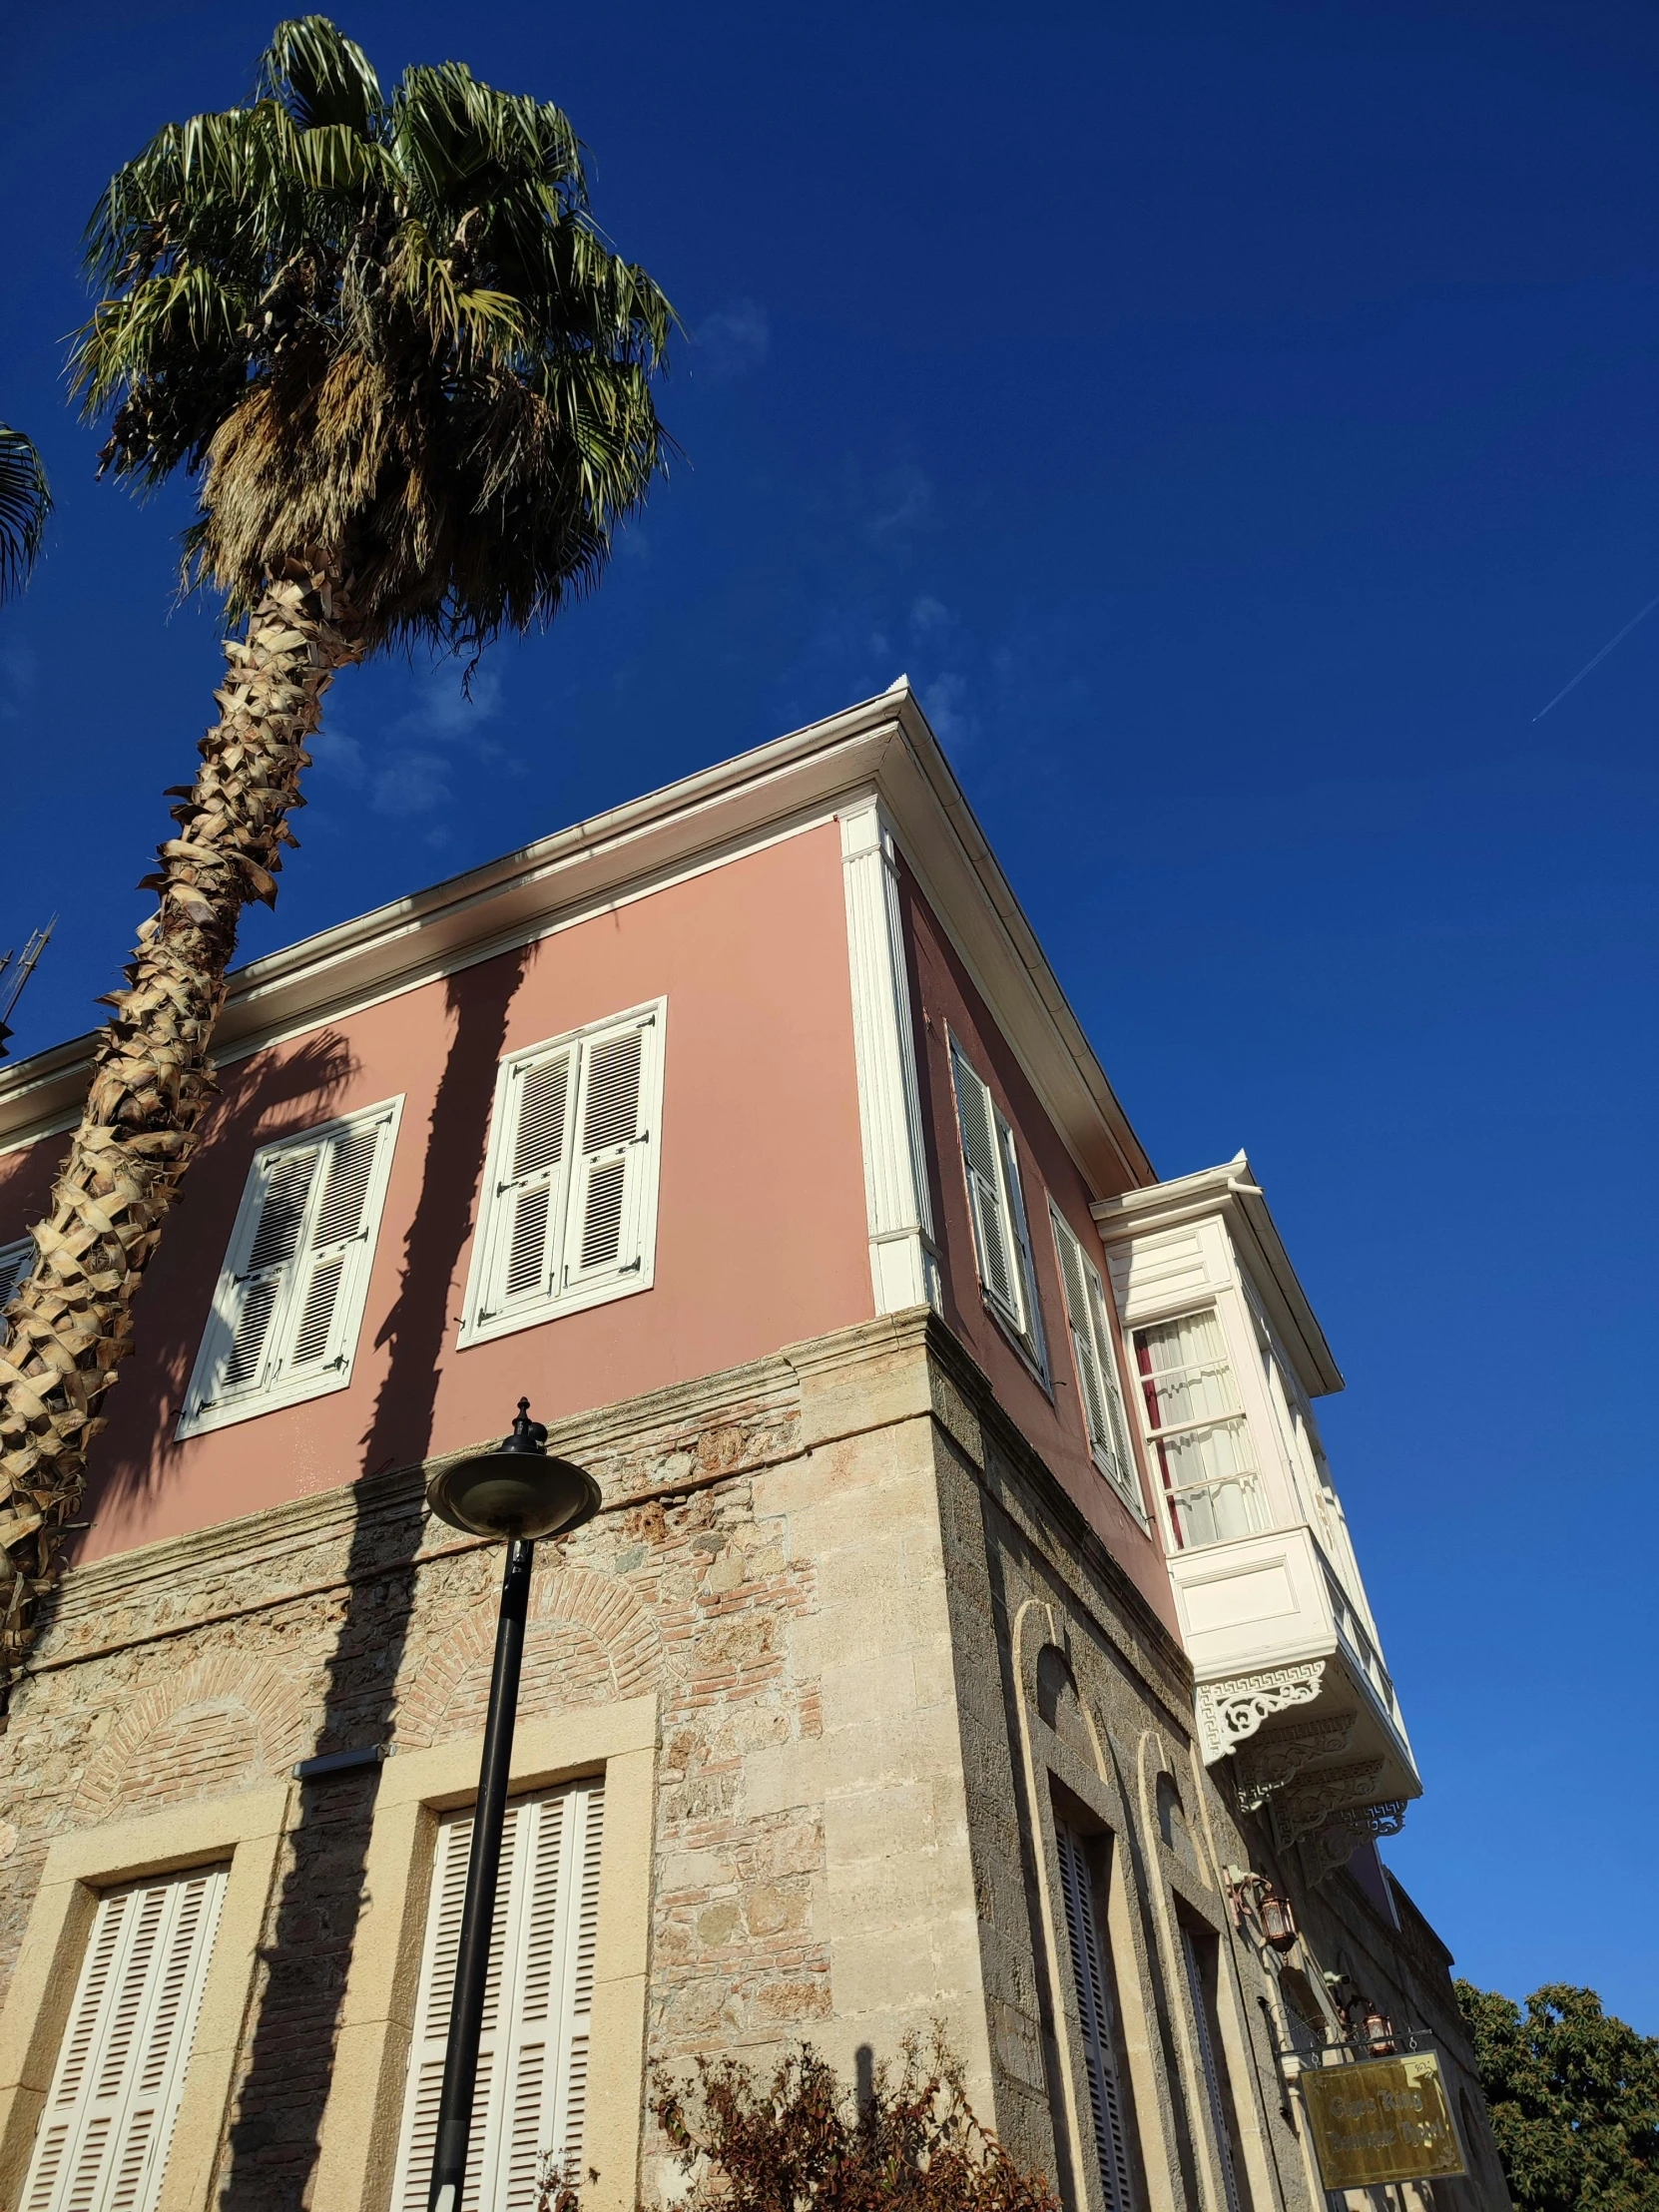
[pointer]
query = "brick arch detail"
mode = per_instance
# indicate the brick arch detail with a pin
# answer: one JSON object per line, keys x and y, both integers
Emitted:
{"x": 233, "y": 1693}
{"x": 596, "y": 1609}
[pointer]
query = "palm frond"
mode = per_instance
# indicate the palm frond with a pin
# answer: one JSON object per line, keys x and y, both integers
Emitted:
{"x": 321, "y": 76}
{"x": 25, "y": 503}
{"x": 389, "y": 329}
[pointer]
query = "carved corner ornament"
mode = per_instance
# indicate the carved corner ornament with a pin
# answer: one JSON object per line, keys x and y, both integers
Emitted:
{"x": 1275, "y": 1758}
{"x": 1334, "y": 1845}
{"x": 1316, "y": 1800}
{"x": 1231, "y": 1710}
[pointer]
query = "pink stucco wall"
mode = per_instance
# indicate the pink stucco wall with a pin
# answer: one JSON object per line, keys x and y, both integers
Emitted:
{"x": 946, "y": 1003}
{"x": 761, "y": 1229}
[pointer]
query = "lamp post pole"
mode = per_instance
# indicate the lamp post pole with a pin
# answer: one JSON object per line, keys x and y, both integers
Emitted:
{"x": 472, "y": 1960}
{"x": 515, "y": 1491}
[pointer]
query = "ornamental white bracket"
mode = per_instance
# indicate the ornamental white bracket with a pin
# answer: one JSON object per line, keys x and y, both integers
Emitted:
{"x": 903, "y": 1260}
{"x": 1231, "y": 1710}
{"x": 1334, "y": 1845}
{"x": 1277, "y": 1756}
{"x": 1313, "y": 1800}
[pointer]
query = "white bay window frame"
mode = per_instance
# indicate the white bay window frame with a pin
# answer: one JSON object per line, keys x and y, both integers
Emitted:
{"x": 996, "y": 1208}
{"x": 1228, "y": 1477}
{"x": 288, "y": 1306}
{"x": 568, "y": 1214}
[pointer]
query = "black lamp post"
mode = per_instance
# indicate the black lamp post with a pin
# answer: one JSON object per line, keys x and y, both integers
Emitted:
{"x": 515, "y": 1491}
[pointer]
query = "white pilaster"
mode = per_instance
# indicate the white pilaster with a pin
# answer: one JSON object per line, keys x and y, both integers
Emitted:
{"x": 904, "y": 1265}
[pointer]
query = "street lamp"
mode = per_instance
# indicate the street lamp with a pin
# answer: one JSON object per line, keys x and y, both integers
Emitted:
{"x": 517, "y": 1493}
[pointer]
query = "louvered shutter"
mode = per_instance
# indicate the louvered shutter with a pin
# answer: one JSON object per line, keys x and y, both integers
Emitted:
{"x": 15, "y": 1262}
{"x": 1091, "y": 1343}
{"x": 531, "y": 2096}
{"x": 528, "y": 1204}
{"x": 104, "y": 2135}
{"x": 604, "y": 1234}
{"x": 1204, "y": 2025}
{"x": 995, "y": 1235}
{"x": 289, "y": 1302}
{"x": 1091, "y": 1975}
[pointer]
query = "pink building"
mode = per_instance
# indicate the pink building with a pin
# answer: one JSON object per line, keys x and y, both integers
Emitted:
{"x": 970, "y": 1631}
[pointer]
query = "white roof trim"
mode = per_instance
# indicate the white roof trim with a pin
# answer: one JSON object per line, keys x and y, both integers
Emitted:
{"x": 883, "y": 744}
{"x": 1232, "y": 1192}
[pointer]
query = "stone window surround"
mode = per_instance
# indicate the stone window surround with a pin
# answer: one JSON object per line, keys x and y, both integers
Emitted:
{"x": 361, "y": 2123}
{"x": 364, "y": 2112}
{"x": 246, "y": 1830}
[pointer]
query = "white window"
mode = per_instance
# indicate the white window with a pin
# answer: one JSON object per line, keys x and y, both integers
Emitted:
{"x": 532, "y": 2079}
{"x": 102, "y": 2138}
{"x": 1097, "y": 1374}
{"x": 569, "y": 1212}
{"x": 1197, "y": 1432}
{"x": 1091, "y": 1967}
{"x": 1001, "y": 1238}
{"x": 15, "y": 1262}
{"x": 290, "y": 1301}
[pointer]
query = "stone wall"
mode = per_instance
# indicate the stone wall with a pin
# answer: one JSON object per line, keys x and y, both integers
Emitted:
{"x": 883, "y": 1647}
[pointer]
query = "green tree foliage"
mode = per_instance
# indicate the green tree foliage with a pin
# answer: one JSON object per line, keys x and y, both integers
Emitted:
{"x": 382, "y": 324}
{"x": 801, "y": 2142}
{"x": 1573, "y": 2096}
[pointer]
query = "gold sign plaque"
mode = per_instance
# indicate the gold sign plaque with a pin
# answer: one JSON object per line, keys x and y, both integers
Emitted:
{"x": 1384, "y": 2119}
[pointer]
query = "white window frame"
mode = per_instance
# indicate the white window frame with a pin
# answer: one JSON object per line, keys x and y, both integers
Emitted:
{"x": 480, "y": 1322}
{"x": 1022, "y": 1322}
{"x": 1091, "y": 1339}
{"x": 202, "y": 1415}
{"x": 1248, "y": 1477}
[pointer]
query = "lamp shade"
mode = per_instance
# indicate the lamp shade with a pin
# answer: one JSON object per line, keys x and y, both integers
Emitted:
{"x": 515, "y": 1489}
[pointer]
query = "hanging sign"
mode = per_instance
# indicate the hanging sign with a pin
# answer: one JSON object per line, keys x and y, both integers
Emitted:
{"x": 1384, "y": 2119}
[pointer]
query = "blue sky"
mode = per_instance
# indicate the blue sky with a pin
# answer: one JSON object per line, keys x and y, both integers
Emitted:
{"x": 1240, "y": 422}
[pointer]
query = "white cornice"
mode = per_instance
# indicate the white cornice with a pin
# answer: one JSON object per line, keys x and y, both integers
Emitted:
{"x": 883, "y": 746}
{"x": 1232, "y": 1193}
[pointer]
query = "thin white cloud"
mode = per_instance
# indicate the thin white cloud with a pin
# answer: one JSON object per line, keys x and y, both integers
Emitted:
{"x": 915, "y": 497}
{"x": 733, "y": 340}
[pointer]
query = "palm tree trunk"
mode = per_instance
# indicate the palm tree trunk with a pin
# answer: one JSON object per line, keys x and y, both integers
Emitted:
{"x": 71, "y": 1322}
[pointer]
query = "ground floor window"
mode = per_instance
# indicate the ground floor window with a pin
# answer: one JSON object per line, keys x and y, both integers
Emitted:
{"x": 532, "y": 2081}
{"x": 1199, "y": 1952}
{"x": 103, "y": 2135}
{"x": 1091, "y": 1966}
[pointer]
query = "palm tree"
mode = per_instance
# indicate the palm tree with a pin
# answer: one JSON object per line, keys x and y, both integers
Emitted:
{"x": 415, "y": 385}
{"x": 25, "y": 503}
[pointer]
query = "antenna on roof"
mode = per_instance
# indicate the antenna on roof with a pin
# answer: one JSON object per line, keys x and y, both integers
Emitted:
{"x": 25, "y": 968}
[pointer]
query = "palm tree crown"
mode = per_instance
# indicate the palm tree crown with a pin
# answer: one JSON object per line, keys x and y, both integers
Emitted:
{"x": 25, "y": 503}
{"x": 388, "y": 329}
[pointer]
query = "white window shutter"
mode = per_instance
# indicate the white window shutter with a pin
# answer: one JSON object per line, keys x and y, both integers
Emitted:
{"x": 16, "y": 1260}
{"x": 104, "y": 2135}
{"x": 532, "y": 2068}
{"x": 289, "y": 1301}
{"x": 604, "y": 1235}
{"x": 1091, "y": 1975}
{"x": 1091, "y": 1344}
{"x": 569, "y": 1211}
{"x": 993, "y": 1231}
{"x": 527, "y": 1204}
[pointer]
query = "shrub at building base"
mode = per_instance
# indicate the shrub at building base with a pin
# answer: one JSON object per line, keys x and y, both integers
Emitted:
{"x": 803, "y": 2143}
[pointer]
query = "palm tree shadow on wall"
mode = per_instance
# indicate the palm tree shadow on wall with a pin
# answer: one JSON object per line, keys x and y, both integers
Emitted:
{"x": 272, "y": 2145}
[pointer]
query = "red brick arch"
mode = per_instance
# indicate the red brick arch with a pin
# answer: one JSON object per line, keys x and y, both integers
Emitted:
{"x": 588, "y": 1640}
{"x": 219, "y": 1724}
